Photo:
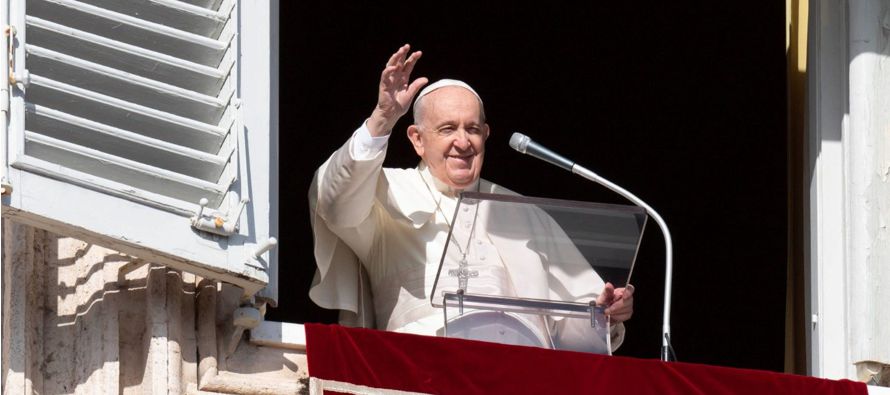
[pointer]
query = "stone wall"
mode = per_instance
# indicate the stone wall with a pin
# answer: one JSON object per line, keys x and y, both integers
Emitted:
{"x": 79, "y": 318}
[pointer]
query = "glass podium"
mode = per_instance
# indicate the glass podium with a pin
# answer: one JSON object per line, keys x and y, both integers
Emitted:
{"x": 528, "y": 271}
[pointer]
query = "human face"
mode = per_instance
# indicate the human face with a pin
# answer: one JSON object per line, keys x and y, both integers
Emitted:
{"x": 451, "y": 136}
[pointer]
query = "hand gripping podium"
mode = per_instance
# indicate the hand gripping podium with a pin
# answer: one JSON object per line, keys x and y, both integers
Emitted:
{"x": 527, "y": 271}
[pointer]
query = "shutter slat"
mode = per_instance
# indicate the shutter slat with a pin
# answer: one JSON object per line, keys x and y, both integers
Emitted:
{"x": 208, "y": 4}
{"x": 177, "y": 14}
{"x": 130, "y": 92}
{"x": 120, "y": 190}
{"x": 126, "y": 144}
{"x": 130, "y": 30}
{"x": 126, "y": 115}
{"x": 121, "y": 170}
{"x": 125, "y": 86}
{"x": 125, "y": 57}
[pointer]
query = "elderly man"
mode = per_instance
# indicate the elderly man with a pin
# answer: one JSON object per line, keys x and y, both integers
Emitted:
{"x": 381, "y": 231}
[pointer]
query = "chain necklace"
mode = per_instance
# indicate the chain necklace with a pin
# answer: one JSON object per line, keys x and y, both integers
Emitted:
{"x": 462, "y": 273}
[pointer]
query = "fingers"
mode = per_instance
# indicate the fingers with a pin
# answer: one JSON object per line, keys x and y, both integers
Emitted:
{"x": 606, "y": 297}
{"x": 398, "y": 57}
{"x": 387, "y": 73}
{"x": 416, "y": 86}
{"x": 398, "y": 69}
{"x": 620, "y": 317}
{"x": 412, "y": 60}
{"x": 626, "y": 292}
{"x": 622, "y": 307}
{"x": 396, "y": 90}
{"x": 620, "y": 311}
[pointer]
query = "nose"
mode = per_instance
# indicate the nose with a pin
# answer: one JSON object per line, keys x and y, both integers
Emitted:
{"x": 462, "y": 139}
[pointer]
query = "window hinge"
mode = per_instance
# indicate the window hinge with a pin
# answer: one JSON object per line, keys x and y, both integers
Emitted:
{"x": 24, "y": 78}
{"x": 5, "y": 187}
{"x": 215, "y": 222}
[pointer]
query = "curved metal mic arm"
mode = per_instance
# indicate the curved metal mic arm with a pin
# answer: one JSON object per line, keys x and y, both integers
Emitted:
{"x": 525, "y": 145}
{"x": 666, "y": 349}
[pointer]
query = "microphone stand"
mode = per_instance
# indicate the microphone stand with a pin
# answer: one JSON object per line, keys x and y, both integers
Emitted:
{"x": 525, "y": 145}
{"x": 667, "y": 352}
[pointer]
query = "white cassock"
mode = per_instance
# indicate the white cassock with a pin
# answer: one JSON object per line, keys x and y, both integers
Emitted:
{"x": 378, "y": 232}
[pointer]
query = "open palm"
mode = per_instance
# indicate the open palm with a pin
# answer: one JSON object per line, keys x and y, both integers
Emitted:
{"x": 396, "y": 89}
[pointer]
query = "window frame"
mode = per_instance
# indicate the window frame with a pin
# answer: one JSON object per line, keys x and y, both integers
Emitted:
{"x": 156, "y": 229}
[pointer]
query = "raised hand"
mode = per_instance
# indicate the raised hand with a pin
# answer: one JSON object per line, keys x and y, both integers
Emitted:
{"x": 396, "y": 91}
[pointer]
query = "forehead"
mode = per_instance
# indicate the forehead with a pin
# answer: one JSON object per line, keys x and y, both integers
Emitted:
{"x": 450, "y": 103}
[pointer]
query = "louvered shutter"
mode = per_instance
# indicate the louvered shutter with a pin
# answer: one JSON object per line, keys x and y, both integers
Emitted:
{"x": 127, "y": 119}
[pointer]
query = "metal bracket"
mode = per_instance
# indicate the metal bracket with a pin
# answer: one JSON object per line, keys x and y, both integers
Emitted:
{"x": 215, "y": 222}
{"x": 254, "y": 259}
{"x": 594, "y": 309}
{"x": 243, "y": 318}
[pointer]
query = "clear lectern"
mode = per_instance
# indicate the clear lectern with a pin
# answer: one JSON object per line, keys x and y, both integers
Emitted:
{"x": 527, "y": 271}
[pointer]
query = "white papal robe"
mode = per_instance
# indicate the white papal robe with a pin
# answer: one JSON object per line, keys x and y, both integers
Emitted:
{"x": 379, "y": 237}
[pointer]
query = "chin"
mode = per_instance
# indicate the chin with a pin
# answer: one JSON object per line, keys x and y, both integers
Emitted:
{"x": 461, "y": 182}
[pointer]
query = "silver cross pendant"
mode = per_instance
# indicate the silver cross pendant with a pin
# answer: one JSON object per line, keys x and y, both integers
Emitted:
{"x": 463, "y": 274}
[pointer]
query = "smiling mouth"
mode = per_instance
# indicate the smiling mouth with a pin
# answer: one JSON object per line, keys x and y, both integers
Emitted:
{"x": 462, "y": 163}
{"x": 461, "y": 158}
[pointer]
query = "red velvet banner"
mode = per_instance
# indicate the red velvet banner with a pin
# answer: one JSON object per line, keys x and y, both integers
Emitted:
{"x": 395, "y": 361}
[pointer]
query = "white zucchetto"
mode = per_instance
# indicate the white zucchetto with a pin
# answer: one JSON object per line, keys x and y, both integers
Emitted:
{"x": 443, "y": 83}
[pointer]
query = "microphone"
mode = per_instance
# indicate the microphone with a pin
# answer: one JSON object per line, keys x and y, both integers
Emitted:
{"x": 525, "y": 145}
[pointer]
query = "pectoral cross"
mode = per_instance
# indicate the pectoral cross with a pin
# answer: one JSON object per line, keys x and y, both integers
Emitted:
{"x": 463, "y": 273}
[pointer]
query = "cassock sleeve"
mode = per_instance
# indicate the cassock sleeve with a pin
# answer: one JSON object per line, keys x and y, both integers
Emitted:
{"x": 341, "y": 200}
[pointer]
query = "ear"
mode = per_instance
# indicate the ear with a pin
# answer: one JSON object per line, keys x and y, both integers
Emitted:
{"x": 485, "y": 132}
{"x": 415, "y": 138}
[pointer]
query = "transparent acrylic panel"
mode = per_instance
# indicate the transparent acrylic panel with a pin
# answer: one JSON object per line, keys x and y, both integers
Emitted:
{"x": 525, "y": 257}
{"x": 585, "y": 328}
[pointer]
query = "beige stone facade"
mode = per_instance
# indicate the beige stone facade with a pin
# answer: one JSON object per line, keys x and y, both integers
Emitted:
{"x": 82, "y": 319}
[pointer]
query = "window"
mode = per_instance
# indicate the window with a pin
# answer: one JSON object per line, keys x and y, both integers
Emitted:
{"x": 129, "y": 118}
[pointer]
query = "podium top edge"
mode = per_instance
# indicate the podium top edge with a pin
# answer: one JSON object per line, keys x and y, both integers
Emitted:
{"x": 552, "y": 202}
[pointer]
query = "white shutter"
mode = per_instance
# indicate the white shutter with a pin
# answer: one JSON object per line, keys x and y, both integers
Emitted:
{"x": 125, "y": 114}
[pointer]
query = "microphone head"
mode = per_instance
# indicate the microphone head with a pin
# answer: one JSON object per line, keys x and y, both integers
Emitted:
{"x": 519, "y": 142}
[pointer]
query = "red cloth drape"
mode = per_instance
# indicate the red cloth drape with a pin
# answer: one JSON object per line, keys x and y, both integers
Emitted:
{"x": 454, "y": 366}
